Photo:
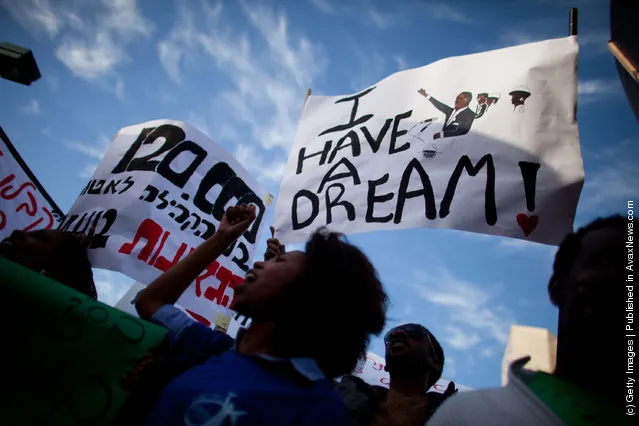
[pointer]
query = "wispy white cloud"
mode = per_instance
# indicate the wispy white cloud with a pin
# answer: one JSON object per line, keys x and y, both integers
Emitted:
{"x": 268, "y": 76}
{"x": 33, "y": 107}
{"x": 272, "y": 171}
{"x": 608, "y": 186}
{"x": 460, "y": 339}
{"x": 91, "y": 37}
{"x": 95, "y": 151}
{"x": 445, "y": 12}
{"x": 323, "y": 5}
{"x": 400, "y": 61}
{"x": 88, "y": 171}
{"x": 592, "y": 90}
{"x": 119, "y": 89}
{"x": 379, "y": 19}
{"x": 471, "y": 311}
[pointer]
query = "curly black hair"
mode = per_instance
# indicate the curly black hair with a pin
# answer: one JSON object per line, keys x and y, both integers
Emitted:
{"x": 334, "y": 307}
{"x": 569, "y": 248}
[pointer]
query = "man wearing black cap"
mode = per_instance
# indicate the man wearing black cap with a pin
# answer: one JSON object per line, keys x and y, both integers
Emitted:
{"x": 414, "y": 360}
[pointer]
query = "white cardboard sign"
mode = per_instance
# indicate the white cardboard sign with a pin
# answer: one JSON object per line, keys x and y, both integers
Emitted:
{"x": 24, "y": 204}
{"x": 485, "y": 143}
{"x": 159, "y": 192}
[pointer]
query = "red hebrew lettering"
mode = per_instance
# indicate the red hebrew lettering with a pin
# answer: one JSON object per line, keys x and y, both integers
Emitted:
{"x": 210, "y": 271}
{"x": 359, "y": 369}
{"x": 157, "y": 253}
{"x": 437, "y": 387}
{"x": 3, "y": 220}
{"x": 385, "y": 381}
{"x": 217, "y": 295}
{"x": 199, "y": 317}
{"x": 34, "y": 207}
{"x": 33, "y": 225}
{"x": 236, "y": 280}
{"x": 163, "y": 264}
{"x": 7, "y": 180}
{"x": 376, "y": 366}
{"x": 5, "y": 194}
{"x": 49, "y": 216}
{"x": 151, "y": 232}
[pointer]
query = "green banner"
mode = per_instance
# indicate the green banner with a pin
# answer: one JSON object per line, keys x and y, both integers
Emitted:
{"x": 63, "y": 354}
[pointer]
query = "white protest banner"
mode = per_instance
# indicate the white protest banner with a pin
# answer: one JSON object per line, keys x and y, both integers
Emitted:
{"x": 159, "y": 192}
{"x": 372, "y": 372}
{"x": 24, "y": 204}
{"x": 485, "y": 143}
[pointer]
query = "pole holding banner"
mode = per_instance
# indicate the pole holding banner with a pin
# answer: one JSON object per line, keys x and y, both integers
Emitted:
{"x": 573, "y": 21}
{"x": 308, "y": 93}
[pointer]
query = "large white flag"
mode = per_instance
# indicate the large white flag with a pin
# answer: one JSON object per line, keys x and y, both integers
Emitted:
{"x": 485, "y": 143}
{"x": 159, "y": 192}
{"x": 24, "y": 204}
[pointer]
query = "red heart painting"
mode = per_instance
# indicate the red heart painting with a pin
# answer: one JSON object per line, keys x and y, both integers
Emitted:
{"x": 527, "y": 223}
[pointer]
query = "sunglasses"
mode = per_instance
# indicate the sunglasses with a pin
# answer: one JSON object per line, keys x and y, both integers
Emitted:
{"x": 412, "y": 331}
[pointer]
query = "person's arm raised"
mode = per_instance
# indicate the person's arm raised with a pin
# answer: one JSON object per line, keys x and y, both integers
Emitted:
{"x": 168, "y": 287}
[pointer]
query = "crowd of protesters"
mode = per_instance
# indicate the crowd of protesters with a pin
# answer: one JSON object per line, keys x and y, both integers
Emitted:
{"x": 292, "y": 365}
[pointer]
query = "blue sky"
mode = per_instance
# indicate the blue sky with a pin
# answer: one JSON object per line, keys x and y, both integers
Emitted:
{"x": 238, "y": 71}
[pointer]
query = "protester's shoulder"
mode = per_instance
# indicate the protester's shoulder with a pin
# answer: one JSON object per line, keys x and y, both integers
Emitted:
{"x": 329, "y": 408}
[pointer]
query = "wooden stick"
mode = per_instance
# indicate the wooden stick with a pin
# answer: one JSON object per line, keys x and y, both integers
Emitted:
{"x": 623, "y": 60}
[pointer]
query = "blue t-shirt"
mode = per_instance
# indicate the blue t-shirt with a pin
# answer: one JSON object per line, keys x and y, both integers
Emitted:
{"x": 237, "y": 390}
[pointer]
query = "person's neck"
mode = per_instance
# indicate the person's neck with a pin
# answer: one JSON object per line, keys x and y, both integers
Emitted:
{"x": 576, "y": 367}
{"x": 257, "y": 339}
{"x": 408, "y": 385}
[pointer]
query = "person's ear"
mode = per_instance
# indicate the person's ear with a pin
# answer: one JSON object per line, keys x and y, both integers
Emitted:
{"x": 555, "y": 292}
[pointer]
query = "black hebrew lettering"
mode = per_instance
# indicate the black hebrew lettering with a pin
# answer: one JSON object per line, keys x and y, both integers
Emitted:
{"x": 86, "y": 188}
{"x": 251, "y": 198}
{"x": 529, "y": 175}
{"x": 353, "y": 143}
{"x": 182, "y": 216}
{"x": 112, "y": 186}
{"x": 352, "y": 171}
{"x": 210, "y": 229}
{"x": 397, "y": 133}
{"x": 152, "y": 194}
{"x": 164, "y": 203}
{"x": 172, "y": 136}
{"x": 350, "y": 209}
{"x": 219, "y": 174}
{"x": 426, "y": 191}
{"x": 465, "y": 163}
{"x": 372, "y": 199}
{"x": 323, "y": 154}
{"x": 241, "y": 261}
{"x": 99, "y": 240}
{"x": 81, "y": 225}
{"x": 353, "y": 121}
{"x": 135, "y": 146}
{"x": 128, "y": 182}
{"x": 196, "y": 222}
{"x": 66, "y": 224}
{"x": 233, "y": 188}
{"x": 314, "y": 209}
{"x": 375, "y": 143}
{"x": 129, "y": 329}
{"x": 96, "y": 188}
{"x": 180, "y": 179}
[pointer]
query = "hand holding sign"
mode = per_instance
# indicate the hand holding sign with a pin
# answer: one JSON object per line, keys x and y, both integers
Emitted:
{"x": 422, "y": 92}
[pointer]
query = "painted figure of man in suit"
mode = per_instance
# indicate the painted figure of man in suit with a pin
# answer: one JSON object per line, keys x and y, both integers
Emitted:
{"x": 459, "y": 119}
{"x": 481, "y": 104}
